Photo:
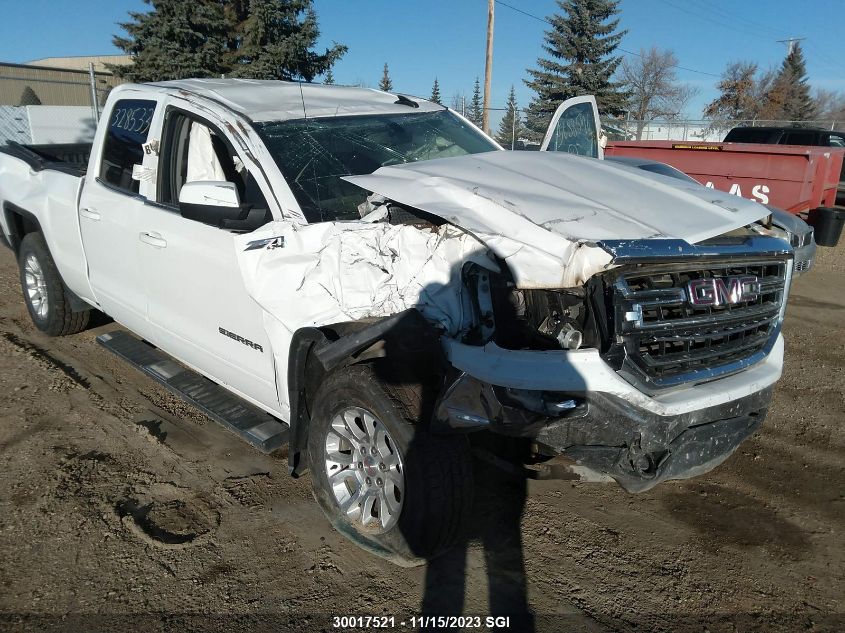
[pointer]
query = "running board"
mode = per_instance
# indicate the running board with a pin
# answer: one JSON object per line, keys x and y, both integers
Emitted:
{"x": 252, "y": 424}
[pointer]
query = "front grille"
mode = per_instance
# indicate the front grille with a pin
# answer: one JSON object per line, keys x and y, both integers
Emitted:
{"x": 664, "y": 340}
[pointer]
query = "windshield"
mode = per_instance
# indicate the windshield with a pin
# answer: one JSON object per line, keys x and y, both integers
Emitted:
{"x": 313, "y": 154}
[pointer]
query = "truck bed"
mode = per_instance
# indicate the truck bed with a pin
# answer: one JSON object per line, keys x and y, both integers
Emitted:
{"x": 70, "y": 158}
{"x": 41, "y": 185}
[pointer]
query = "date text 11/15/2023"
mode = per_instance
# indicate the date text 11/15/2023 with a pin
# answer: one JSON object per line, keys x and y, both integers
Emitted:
{"x": 388, "y": 622}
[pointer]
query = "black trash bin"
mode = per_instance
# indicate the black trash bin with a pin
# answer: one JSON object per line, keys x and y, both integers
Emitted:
{"x": 827, "y": 223}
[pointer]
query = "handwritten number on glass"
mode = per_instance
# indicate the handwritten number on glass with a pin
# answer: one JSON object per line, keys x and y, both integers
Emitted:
{"x": 135, "y": 120}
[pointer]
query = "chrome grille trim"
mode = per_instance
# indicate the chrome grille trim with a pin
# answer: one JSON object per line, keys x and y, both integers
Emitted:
{"x": 664, "y": 341}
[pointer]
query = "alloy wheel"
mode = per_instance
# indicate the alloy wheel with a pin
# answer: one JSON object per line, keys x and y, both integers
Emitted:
{"x": 364, "y": 469}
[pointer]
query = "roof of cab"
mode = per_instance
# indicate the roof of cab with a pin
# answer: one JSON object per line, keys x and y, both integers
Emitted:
{"x": 264, "y": 100}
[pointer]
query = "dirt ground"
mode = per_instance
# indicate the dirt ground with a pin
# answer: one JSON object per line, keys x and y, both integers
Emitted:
{"x": 123, "y": 509}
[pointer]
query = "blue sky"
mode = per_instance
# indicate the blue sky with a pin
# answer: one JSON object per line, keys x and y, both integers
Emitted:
{"x": 427, "y": 38}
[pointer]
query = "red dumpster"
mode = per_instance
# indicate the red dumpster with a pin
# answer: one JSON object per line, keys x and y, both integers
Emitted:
{"x": 791, "y": 177}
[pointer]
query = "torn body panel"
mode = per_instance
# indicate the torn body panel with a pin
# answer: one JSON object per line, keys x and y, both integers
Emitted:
{"x": 328, "y": 273}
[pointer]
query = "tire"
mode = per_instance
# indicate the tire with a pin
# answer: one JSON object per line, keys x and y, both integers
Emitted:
{"x": 44, "y": 292}
{"x": 433, "y": 474}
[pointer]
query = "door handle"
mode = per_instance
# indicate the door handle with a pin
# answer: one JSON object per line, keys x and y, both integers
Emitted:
{"x": 153, "y": 239}
{"x": 89, "y": 213}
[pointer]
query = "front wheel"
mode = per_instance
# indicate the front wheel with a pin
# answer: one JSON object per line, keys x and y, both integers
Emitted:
{"x": 382, "y": 480}
{"x": 44, "y": 292}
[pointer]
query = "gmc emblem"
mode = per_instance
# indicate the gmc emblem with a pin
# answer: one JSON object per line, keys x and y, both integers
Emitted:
{"x": 722, "y": 291}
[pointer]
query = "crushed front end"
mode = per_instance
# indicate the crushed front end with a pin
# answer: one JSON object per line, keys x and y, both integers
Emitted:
{"x": 655, "y": 369}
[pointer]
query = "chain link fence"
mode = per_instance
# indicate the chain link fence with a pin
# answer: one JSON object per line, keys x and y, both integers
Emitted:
{"x": 51, "y": 105}
{"x": 704, "y": 129}
{"x": 701, "y": 130}
{"x": 14, "y": 125}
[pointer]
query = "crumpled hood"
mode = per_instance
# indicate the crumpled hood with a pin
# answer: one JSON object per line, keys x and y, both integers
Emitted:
{"x": 528, "y": 195}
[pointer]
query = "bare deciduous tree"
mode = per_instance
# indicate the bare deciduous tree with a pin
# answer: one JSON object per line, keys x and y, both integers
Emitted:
{"x": 653, "y": 85}
{"x": 458, "y": 102}
{"x": 831, "y": 105}
{"x": 739, "y": 97}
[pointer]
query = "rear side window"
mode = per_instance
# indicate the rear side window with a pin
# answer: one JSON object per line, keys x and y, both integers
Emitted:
{"x": 128, "y": 127}
{"x": 837, "y": 140}
{"x": 800, "y": 138}
{"x": 753, "y": 135}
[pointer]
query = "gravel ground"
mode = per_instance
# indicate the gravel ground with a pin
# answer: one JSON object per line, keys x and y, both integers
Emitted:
{"x": 121, "y": 508}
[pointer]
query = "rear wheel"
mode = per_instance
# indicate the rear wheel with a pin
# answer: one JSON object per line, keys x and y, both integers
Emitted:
{"x": 382, "y": 480}
{"x": 44, "y": 292}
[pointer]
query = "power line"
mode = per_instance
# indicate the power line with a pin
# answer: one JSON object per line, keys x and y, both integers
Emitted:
{"x": 627, "y": 52}
{"x": 720, "y": 17}
{"x": 711, "y": 8}
{"x": 790, "y": 44}
{"x": 712, "y": 20}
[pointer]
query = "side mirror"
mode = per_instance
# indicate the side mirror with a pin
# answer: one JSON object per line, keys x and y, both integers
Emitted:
{"x": 210, "y": 202}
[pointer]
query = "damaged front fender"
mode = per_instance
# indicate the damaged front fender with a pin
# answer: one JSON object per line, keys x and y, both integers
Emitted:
{"x": 306, "y": 278}
{"x": 406, "y": 342}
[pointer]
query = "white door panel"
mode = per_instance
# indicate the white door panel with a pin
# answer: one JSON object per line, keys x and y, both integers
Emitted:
{"x": 198, "y": 306}
{"x": 107, "y": 220}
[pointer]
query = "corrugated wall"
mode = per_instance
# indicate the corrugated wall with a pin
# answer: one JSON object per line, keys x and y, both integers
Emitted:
{"x": 50, "y": 86}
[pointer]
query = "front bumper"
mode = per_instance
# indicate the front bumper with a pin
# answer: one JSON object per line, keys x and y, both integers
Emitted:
{"x": 623, "y": 434}
{"x": 639, "y": 449}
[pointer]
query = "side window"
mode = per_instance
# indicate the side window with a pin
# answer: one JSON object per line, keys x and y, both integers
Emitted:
{"x": 192, "y": 151}
{"x": 575, "y": 132}
{"x": 837, "y": 140}
{"x": 127, "y": 131}
{"x": 800, "y": 138}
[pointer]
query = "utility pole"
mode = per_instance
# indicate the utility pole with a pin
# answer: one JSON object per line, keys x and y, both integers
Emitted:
{"x": 488, "y": 69}
{"x": 95, "y": 106}
{"x": 513, "y": 130}
{"x": 790, "y": 44}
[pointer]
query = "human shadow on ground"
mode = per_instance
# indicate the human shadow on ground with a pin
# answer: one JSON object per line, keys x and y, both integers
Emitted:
{"x": 499, "y": 500}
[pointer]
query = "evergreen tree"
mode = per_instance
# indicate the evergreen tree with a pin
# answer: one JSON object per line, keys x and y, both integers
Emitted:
{"x": 789, "y": 97}
{"x": 475, "y": 112}
{"x": 262, "y": 39}
{"x": 386, "y": 83}
{"x": 580, "y": 44}
{"x": 329, "y": 78}
{"x": 173, "y": 41}
{"x": 435, "y": 92}
{"x": 278, "y": 41}
{"x": 510, "y": 127}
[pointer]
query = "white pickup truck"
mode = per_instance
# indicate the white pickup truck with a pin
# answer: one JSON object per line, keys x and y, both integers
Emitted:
{"x": 370, "y": 279}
